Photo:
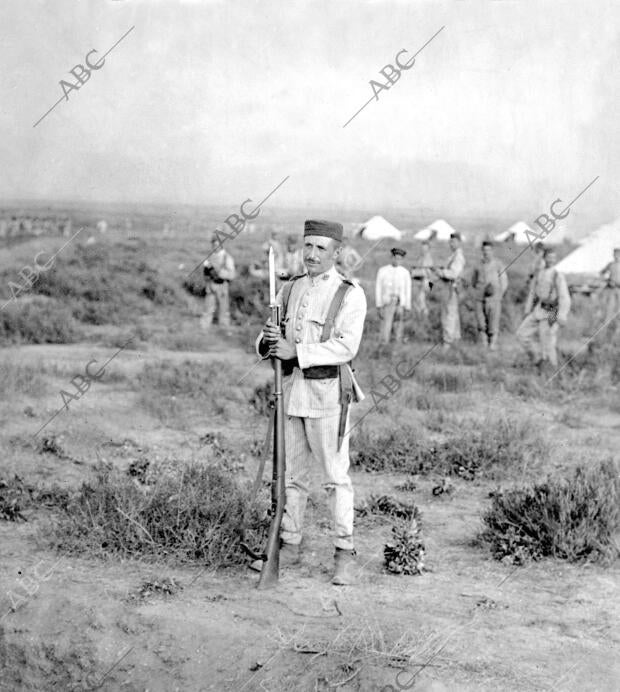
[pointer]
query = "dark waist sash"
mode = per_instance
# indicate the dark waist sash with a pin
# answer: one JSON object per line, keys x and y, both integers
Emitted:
{"x": 317, "y": 372}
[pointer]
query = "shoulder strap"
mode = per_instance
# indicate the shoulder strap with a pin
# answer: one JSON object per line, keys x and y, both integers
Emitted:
{"x": 286, "y": 294}
{"x": 334, "y": 308}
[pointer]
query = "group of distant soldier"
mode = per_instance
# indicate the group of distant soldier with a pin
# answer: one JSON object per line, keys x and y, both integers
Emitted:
{"x": 546, "y": 307}
{"x": 25, "y": 225}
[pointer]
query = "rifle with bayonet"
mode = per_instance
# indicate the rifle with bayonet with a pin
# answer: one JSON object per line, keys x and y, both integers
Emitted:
{"x": 271, "y": 559}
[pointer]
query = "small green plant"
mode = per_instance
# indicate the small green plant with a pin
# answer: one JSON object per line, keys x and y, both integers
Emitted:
{"x": 572, "y": 519}
{"x": 404, "y": 554}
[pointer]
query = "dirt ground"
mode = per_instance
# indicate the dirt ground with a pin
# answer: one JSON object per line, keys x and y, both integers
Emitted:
{"x": 468, "y": 623}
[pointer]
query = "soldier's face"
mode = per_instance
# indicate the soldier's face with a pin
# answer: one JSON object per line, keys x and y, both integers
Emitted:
{"x": 320, "y": 253}
{"x": 487, "y": 252}
{"x": 550, "y": 259}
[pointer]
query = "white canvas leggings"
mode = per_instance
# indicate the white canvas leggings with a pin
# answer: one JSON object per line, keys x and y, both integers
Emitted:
{"x": 306, "y": 440}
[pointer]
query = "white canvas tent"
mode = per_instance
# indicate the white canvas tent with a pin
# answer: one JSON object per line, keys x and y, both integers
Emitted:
{"x": 522, "y": 234}
{"x": 595, "y": 253}
{"x": 438, "y": 230}
{"x": 605, "y": 231}
{"x": 377, "y": 227}
{"x": 519, "y": 233}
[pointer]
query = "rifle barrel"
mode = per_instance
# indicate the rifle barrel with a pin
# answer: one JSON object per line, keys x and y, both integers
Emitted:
{"x": 270, "y": 570}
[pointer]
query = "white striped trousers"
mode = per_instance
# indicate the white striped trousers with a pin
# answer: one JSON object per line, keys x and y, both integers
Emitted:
{"x": 307, "y": 441}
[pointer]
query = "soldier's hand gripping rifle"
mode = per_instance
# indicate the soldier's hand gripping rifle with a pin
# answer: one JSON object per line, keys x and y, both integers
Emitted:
{"x": 270, "y": 570}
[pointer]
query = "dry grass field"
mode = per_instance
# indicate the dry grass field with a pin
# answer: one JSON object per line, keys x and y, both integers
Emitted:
{"x": 120, "y": 519}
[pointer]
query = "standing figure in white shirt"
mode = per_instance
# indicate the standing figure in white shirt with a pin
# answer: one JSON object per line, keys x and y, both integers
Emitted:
{"x": 393, "y": 296}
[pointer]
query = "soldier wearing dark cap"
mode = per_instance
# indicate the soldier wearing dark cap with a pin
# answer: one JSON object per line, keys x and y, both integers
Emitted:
{"x": 393, "y": 295}
{"x": 323, "y": 317}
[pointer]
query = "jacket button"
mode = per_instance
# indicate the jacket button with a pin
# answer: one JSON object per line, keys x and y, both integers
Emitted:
{"x": 305, "y": 305}
{"x": 297, "y": 340}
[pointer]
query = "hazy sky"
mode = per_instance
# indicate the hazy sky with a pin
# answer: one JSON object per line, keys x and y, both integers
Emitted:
{"x": 512, "y": 105}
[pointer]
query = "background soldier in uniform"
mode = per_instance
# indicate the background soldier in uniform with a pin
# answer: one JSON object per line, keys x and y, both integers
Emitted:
{"x": 546, "y": 309}
{"x": 324, "y": 319}
{"x": 393, "y": 295}
{"x": 218, "y": 270}
{"x": 489, "y": 282}
{"x": 450, "y": 275}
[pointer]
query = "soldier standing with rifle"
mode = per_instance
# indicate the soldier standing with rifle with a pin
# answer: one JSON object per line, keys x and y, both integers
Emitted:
{"x": 450, "y": 278}
{"x": 218, "y": 271}
{"x": 322, "y": 314}
{"x": 422, "y": 280}
{"x": 546, "y": 310}
{"x": 489, "y": 282}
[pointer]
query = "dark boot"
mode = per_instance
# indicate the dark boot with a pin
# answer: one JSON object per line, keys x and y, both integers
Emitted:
{"x": 289, "y": 555}
{"x": 346, "y": 567}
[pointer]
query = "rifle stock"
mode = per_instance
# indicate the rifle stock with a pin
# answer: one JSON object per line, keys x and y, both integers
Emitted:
{"x": 270, "y": 570}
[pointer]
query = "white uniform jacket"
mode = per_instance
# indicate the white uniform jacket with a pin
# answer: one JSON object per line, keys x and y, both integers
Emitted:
{"x": 393, "y": 282}
{"x": 308, "y": 305}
